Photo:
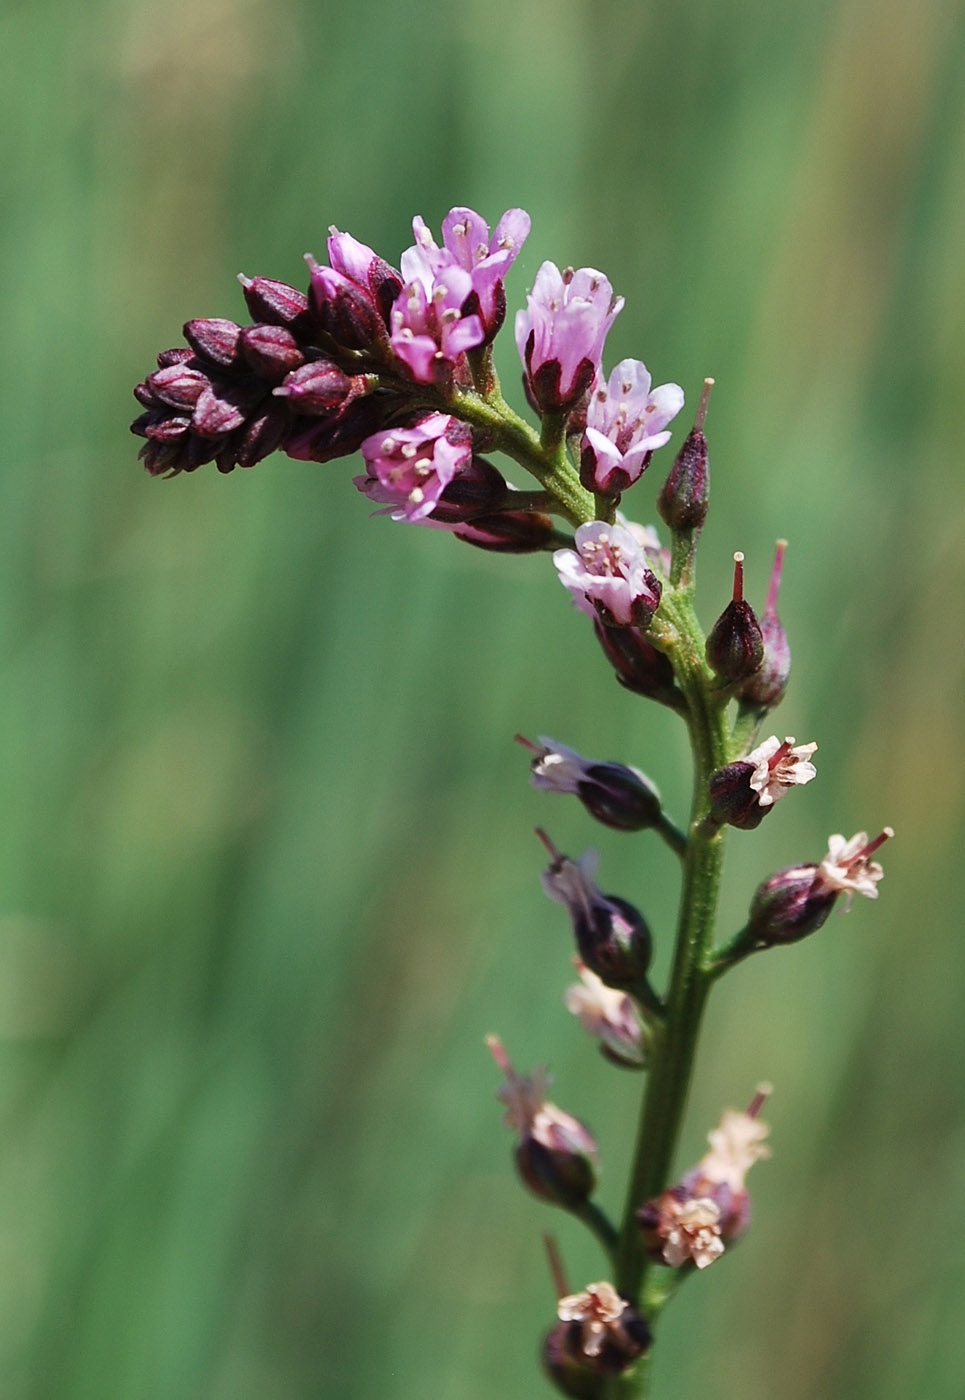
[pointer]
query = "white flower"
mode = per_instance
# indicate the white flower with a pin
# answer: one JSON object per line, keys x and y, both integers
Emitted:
{"x": 778, "y": 767}
{"x": 848, "y": 868}
{"x": 597, "y": 1308}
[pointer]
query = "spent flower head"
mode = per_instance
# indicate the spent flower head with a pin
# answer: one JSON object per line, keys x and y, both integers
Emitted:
{"x": 610, "y": 1016}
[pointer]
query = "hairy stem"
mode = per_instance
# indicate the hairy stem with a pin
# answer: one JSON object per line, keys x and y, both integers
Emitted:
{"x": 690, "y": 980}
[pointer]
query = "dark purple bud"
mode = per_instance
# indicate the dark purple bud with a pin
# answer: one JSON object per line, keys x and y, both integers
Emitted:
{"x": 735, "y": 647}
{"x": 343, "y": 431}
{"x": 276, "y": 303}
{"x": 639, "y": 666}
{"x": 158, "y": 426}
{"x": 768, "y": 685}
{"x": 320, "y": 387}
{"x": 224, "y": 406}
{"x": 174, "y": 357}
{"x": 685, "y": 496}
{"x": 790, "y": 905}
{"x": 347, "y": 312}
{"x": 178, "y": 385}
{"x": 263, "y": 435}
{"x": 732, "y": 799}
{"x": 214, "y": 340}
{"x": 271, "y": 351}
{"x": 510, "y": 532}
{"x": 478, "y": 488}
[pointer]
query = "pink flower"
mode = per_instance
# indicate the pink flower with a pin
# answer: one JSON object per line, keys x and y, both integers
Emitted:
{"x": 560, "y": 335}
{"x": 467, "y": 244}
{"x": 608, "y": 576}
{"x": 625, "y": 422}
{"x": 409, "y": 468}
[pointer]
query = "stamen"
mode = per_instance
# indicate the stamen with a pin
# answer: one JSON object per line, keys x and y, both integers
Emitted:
{"x": 775, "y": 584}
{"x": 872, "y": 846}
{"x": 738, "y": 577}
{"x": 704, "y": 401}
{"x": 557, "y": 1271}
{"x": 761, "y": 1095}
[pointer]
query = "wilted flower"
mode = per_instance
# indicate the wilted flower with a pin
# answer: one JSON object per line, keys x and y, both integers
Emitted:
{"x": 555, "y": 1153}
{"x": 693, "y": 1221}
{"x": 767, "y": 685}
{"x": 617, "y": 795}
{"x": 611, "y": 935}
{"x": 610, "y": 1016}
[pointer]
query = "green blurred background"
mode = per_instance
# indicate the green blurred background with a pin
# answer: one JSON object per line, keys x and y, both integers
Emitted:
{"x": 267, "y": 872}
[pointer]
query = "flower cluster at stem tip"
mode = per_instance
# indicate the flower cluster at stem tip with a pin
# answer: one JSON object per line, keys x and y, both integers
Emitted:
{"x": 397, "y": 364}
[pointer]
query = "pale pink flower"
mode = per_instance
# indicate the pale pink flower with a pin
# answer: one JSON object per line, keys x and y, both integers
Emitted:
{"x": 779, "y": 766}
{"x": 560, "y": 334}
{"x": 609, "y": 1015}
{"x": 467, "y": 244}
{"x": 690, "y": 1230}
{"x": 411, "y": 467}
{"x": 598, "y": 1309}
{"x": 626, "y": 421}
{"x": 608, "y": 576}
{"x": 848, "y": 868}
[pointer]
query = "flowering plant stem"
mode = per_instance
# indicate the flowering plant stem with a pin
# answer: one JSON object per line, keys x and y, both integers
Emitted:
{"x": 399, "y": 365}
{"x": 675, "y": 1046}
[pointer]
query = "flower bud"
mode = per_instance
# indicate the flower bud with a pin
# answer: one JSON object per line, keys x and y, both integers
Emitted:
{"x": 270, "y": 350}
{"x": 599, "y": 1334}
{"x": 789, "y": 906}
{"x": 685, "y": 497}
{"x": 275, "y": 303}
{"x": 767, "y": 686}
{"x": 639, "y": 666}
{"x": 214, "y": 339}
{"x": 612, "y": 936}
{"x": 555, "y": 1154}
{"x": 735, "y": 646}
{"x": 616, "y": 795}
{"x": 510, "y": 532}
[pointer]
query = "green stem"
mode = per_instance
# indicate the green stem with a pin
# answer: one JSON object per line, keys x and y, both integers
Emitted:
{"x": 513, "y": 435}
{"x": 599, "y": 1223}
{"x": 690, "y": 980}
